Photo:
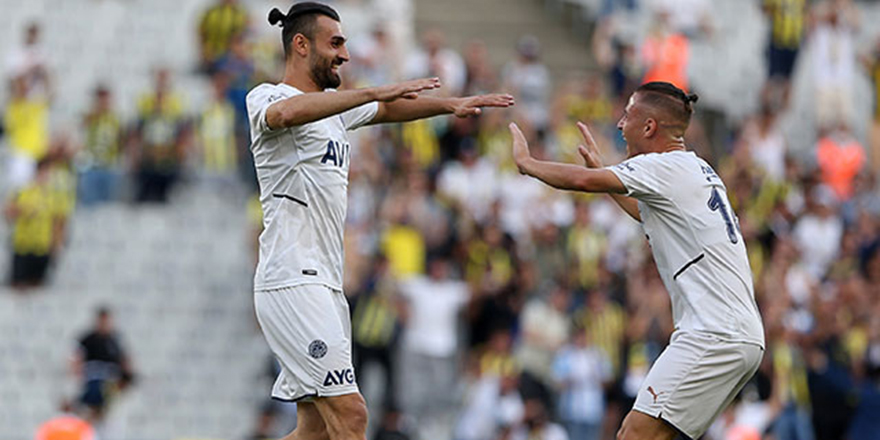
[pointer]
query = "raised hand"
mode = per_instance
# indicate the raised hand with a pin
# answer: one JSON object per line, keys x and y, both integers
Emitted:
{"x": 521, "y": 153}
{"x": 405, "y": 90}
{"x": 472, "y": 105}
{"x": 589, "y": 151}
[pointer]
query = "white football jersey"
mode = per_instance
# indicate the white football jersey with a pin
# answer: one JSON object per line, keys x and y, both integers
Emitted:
{"x": 695, "y": 238}
{"x": 303, "y": 176}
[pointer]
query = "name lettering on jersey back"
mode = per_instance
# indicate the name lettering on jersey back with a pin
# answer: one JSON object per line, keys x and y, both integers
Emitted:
{"x": 625, "y": 166}
{"x": 336, "y": 153}
{"x": 709, "y": 173}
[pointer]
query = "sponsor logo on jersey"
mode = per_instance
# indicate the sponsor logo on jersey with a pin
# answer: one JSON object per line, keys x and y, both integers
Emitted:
{"x": 336, "y": 153}
{"x": 339, "y": 377}
{"x": 317, "y": 349}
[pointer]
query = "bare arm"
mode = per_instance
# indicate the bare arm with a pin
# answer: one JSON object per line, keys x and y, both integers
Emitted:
{"x": 310, "y": 107}
{"x": 561, "y": 175}
{"x": 592, "y": 158}
{"x": 403, "y": 110}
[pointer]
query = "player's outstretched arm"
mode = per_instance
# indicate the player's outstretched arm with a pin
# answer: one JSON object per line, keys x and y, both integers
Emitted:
{"x": 593, "y": 159}
{"x": 402, "y": 110}
{"x": 311, "y": 107}
{"x": 561, "y": 175}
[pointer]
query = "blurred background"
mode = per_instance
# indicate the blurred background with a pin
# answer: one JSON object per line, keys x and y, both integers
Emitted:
{"x": 485, "y": 305}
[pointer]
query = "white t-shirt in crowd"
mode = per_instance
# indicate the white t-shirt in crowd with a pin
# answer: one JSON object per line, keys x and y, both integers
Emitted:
{"x": 434, "y": 308}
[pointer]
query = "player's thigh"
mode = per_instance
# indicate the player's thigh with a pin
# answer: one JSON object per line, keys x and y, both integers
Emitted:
{"x": 345, "y": 416}
{"x": 640, "y": 426}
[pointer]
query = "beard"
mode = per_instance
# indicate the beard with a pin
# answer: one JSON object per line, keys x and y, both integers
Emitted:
{"x": 322, "y": 72}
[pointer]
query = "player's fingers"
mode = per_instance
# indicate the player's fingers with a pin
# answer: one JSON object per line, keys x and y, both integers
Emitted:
{"x": 588, "y": 137}
{"x": 584, "y": 152}
{"x": 517, "y": 134}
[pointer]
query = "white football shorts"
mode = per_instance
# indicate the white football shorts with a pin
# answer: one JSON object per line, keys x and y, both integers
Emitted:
{"x": 695, "y": 379}
{"x": 308, "y": 328}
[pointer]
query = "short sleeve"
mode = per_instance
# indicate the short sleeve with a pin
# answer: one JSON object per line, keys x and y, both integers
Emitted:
{"x": 360, "y": 116}
{"x": 639, "y": 176}
{"x": 258, "y": 101}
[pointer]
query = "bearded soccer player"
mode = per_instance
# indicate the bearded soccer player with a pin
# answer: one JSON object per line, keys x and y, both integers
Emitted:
{"x": 682, "y": 206}
{"x": 302, "y": 155}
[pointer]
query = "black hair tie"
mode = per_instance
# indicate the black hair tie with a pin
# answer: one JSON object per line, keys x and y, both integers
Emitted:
{"x": 277, "y": 17}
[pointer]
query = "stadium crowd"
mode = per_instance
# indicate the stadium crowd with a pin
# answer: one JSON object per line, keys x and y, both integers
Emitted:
{"x": 497, "y": 308}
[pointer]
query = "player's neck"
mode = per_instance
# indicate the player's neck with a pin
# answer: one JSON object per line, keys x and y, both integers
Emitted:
{"x": 673, "y": 144}
{"x": 300, "y": 79}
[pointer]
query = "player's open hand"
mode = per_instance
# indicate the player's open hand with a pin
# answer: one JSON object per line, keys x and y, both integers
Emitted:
{"x": 406, "y": 89}
{"x": 589, "y": 151}
{"x": 472, "y": 105}
{"x": 521, "y": 153}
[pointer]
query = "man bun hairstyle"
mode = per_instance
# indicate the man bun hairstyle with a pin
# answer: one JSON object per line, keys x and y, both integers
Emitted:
{"x": 674, "y": 104}
{"x": 300, "y": 19}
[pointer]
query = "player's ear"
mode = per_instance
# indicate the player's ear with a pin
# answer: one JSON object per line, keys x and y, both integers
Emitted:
{"x": 651, "y": 126}
{"x": 300, "y": 44}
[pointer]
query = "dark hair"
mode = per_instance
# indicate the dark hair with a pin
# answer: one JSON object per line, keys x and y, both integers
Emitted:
{"x": 670, "y": 100}
{"x": 300, "y": 19}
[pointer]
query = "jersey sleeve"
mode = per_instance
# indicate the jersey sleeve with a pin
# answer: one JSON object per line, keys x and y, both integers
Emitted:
{"x": 360, "y": 116}
{"x": 639, "y": 176}
{"x": 258, "y": 102}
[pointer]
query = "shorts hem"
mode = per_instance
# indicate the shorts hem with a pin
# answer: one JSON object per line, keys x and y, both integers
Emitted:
{"x": 312, "y": 396}
{"x": 659, "y": 416}
{"x": 281, "y": 286}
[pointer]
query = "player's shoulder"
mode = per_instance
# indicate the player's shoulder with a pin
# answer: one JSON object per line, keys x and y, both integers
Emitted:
{"x": 270, "y": 92}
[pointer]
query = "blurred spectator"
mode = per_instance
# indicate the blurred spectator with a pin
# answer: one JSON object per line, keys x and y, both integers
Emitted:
{"x": 872, "y": 64}
{"x": 788, "y": 19}
{"x": 216, "y": 137}
{"x": 834, "y": 62}
{"x": 218, "y": 26}
{"x": 666, "y": 53}
{"x": 65, "y": 426}
{"x": 29, "y": 62}
{"x": 692, "y": 18}
{"x": 434, "y": 59}
{"x": 763, "y": 143}
{"x": 103, "y": 365}
{"x": 402, "y": 243}
{"x": 537, "y": 424}
{"x": 373, "y": 58}
{"x": 581, "y": 372}
{"x": 819, "y": 231}
{"x": 481, "y": 76}
{"x": 840, "y": 158}
{"x": 545, "y": 325}
{"x": 159, "y": 140}
{"x": 493, "y": 404}
{"x": 100, "y": 178}
{"x": 375, "y": 328}
{"x": 529, "y": 81}
{"x": 470, "y": 182}
{"x": 26, "y": 123}
{"x": 430, "y": 343}
{"x": 38, "y": 218}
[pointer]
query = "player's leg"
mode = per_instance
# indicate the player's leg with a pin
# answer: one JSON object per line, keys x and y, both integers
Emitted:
{"x": 640, "y": 426}
{"x": 309, "y": 424}
{"x": 345, "y": 416}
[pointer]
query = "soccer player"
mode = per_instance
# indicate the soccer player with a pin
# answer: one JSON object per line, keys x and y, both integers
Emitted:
{"x": 302, "y": 155}
{"x": 682, "y": 205}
